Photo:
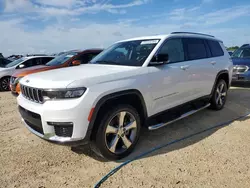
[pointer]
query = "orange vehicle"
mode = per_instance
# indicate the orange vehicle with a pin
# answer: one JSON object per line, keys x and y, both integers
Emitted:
{"x": 70, "y": 58}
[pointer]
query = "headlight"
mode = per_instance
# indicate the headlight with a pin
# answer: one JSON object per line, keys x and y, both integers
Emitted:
{"x": 63, "y": 94}
{"x": 17, "y": 80}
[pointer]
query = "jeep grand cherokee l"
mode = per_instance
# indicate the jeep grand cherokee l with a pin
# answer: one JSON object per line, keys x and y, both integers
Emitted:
{"x": 146, "y": 81}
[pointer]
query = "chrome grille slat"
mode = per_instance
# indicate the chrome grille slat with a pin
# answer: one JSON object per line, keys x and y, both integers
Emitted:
{"x": 32, "y": 94}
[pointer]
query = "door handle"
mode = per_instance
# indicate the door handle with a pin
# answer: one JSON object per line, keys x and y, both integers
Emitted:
{"x": 213, "y": 62}
{"x": 185, "y": 67}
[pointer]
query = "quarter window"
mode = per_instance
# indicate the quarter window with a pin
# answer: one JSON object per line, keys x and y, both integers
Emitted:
{"x": 174, "y": 49}
{"x": 215, "y": 48}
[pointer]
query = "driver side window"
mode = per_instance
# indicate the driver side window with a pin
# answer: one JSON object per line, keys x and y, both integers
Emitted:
{"x": 174, "y": 49}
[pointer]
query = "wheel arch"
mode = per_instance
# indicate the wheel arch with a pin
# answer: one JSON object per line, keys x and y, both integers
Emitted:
{"x": 110, "y": 99}
{"x": 224, "y": 74}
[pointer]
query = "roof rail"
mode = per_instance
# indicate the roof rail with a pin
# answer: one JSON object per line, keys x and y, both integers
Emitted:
{"x": 192, "y": 33}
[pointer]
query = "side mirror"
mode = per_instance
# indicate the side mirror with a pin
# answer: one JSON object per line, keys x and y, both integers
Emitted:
{"x": 21, "y": 66}
{"x": 159, "y": 59}
{"x": 76, "y": 62}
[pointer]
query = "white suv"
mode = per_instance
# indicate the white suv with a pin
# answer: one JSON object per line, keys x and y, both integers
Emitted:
{"x": 141, "y": 82}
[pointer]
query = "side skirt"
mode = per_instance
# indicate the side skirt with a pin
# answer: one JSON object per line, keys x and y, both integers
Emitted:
{"x": 174, "y": 114}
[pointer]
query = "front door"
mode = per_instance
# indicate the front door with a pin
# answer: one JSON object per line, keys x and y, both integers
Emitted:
{"x": 170, "y": 82}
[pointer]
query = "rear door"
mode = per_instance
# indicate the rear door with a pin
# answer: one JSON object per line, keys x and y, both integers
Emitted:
{"x": 201, "y": 70}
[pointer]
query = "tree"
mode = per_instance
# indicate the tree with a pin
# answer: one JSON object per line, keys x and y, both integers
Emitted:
{"x": 233, "y": 48}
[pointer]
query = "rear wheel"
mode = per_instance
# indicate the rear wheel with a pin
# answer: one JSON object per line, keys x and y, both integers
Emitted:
{"x": 219, "y": 96}
{"x": 5, "y": 84}
{"x": 118, "y": 133}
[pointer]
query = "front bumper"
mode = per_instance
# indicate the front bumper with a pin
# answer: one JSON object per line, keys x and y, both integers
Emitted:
{"x": 38, "y": 117}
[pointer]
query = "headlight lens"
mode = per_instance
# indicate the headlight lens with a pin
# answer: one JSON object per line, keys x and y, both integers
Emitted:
{"x": 63, "y": 94}
{"x": 18, "y": 79}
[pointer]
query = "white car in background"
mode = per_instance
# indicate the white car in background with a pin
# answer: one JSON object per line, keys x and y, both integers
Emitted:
{"x": 22, "y": 63}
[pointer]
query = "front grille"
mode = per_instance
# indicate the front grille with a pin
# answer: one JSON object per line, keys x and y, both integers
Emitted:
{"x": 240, "y": 69}
{"x": 32, "y": 94}
{"x": 64, "y": 131}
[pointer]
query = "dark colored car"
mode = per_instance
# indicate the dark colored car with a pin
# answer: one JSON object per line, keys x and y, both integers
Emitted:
{"x": 4, "y": 62}
{"x": 241, "y": 61}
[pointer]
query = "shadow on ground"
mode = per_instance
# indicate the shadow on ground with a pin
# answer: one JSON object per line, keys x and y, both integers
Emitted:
{"x": 238, "y": 104}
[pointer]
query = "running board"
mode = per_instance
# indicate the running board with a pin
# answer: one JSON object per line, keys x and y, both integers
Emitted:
{"x": 160, "y": 125}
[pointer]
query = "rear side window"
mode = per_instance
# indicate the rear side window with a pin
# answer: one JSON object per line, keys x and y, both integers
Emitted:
{"x": 195, "y": 48}
{"x": 215, "y": 48}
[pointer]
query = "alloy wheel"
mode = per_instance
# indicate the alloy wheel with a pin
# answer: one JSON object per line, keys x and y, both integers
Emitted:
{"x": 221, "y": 93}
{"x": 120, "y": 132}
{"x": 5, "y": 84}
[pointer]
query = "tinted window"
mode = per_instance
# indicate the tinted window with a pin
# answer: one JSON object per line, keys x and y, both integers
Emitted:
{"x": 242, "y": 53}
{"x": 215, "y": 48}
{"x": 195, "y": 48}
{"x": 46, "y": 60}
{"x": 174, "y": 49}
{"x": 28, "y": 63}
{"x": 85, "y": 58}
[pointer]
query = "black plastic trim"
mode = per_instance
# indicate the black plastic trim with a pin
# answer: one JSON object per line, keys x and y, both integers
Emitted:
{"x": 216, "y": 79}
{"x": 113, "y": 96}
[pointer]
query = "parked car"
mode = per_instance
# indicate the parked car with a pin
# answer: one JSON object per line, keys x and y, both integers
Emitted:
{"x": 241, "y": 61}
{"x": 70, "y": 58}
{"x": 22, "y": 63}
{"x": 146, "y": 81}
{"x": 230, "y": 53}
{"x": 4, "y": 62}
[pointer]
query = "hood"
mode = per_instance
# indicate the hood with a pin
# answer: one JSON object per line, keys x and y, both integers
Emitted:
{"x": 241, "y": 61}
{"x": 35, "y": 69}
{"x": 79, "y": 76}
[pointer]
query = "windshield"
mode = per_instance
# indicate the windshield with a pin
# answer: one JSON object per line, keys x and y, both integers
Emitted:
{"x": 242, "y": 53}
{"x": 16, "y": 62}
{"x": 129, "y": 53}
{"x": 61, "y": 58}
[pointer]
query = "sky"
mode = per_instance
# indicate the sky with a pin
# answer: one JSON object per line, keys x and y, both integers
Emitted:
{"x": 52, "y": 26}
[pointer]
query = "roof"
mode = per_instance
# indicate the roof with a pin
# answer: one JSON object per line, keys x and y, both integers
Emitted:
{"x": 178, "y": 34}
{"x": 30, "y": 57}
{"x": 245, "y": 45}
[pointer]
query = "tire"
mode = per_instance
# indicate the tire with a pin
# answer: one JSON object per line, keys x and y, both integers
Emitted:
{"x": 111, "y": 133}
{"x": 5, "y": 84}
{"x": 219, "y": 95}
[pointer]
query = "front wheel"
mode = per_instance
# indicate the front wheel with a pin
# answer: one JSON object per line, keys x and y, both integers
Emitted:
{"x": 118, "y": 133}
{"x": 219, "y": 96}
{"x": 5, "y": 84}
